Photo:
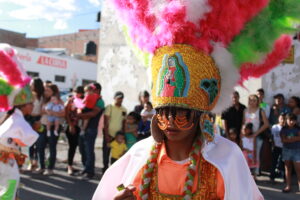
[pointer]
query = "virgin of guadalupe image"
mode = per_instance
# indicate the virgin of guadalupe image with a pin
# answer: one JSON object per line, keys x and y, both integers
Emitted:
{"x": 172, "y": 79}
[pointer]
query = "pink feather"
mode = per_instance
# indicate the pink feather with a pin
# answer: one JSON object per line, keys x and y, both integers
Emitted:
{"x": 136, "y": 14}
{"x": 273, "y": 59}
{"x": 10, "y": 70}
{"x": 151, "y": 31}
{"x": 228, "y": 18}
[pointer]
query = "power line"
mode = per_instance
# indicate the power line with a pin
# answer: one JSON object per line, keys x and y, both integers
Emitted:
{"x": 42, "y": 19}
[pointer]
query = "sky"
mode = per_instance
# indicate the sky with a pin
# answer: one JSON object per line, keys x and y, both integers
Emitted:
{"x": 39, "y": 18}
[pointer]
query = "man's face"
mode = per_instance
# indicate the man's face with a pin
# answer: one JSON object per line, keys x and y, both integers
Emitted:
{"x": 144, "y": 99}
{"x": 235, "y": 99}
{"x": 97, "y": 91}
{"x": 260, "y": 95}
{"x": 175, "y": 133}
{"x": 27, "y": 108}
{"x": 278, "y": 101}
{"x": 118, "y": 100}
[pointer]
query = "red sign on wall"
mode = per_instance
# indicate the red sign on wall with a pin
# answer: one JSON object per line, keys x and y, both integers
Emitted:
{"x": 25, "y": 57}
{"x": 54, "y": 62}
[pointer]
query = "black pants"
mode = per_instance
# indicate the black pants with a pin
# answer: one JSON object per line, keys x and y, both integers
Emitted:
{"x": 73, "y": 139}
{"x": 277, "y": 162}
{"x": 52, "y": 142}
{"x": 106, "y": 152}
{"x": 33, "y": 152}
{"x": 112, "y": 160}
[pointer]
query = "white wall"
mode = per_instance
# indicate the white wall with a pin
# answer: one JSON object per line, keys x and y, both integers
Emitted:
{"x": 74, "y": 70}
{"x": 283, "y": 79}
{"x": 118, "y": 68}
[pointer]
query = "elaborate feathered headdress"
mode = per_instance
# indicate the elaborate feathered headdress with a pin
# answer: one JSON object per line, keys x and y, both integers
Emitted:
{"x": 14, "y": 89}
{"x": 202, "y": 48}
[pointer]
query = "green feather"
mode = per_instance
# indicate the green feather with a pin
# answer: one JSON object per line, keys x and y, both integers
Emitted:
{"x": 5, "y": 88}
{"x": 258, "y": 37}
{"x": 141, "y": 55}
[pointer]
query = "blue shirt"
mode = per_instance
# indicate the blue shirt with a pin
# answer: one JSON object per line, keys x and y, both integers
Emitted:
{"x": 144, "y": 127}
{"x": 289, "y": 133}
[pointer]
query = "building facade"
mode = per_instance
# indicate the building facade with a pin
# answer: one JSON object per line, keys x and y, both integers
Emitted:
{"x": 82, "y": 45}
{"x": 17, "y": 39}
{"x": 64, "y": 71}
{"x": 283, "y": 79}
{"x": 118, "y": 67}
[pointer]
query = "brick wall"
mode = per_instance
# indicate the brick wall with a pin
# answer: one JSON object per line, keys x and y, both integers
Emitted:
{"x": 13, "y": 38}
{"x": 75, "y": 43}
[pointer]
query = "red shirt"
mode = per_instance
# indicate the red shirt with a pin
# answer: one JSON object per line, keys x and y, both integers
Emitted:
{"x": 90, "y": 100}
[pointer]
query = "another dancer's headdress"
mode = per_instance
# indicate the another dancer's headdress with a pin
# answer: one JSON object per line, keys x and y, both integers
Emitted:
{"x": 14, "y": 88}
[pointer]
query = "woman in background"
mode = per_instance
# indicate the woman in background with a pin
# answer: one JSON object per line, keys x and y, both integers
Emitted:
{"x": 256, "y": 116}
{"x": 37, "y": 88}
{"x": 50, "y": 90}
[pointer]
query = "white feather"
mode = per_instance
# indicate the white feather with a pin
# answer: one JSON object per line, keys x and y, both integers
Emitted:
{"x": 12, "y": 96}
{"x": 196, "y": 9}
{"x": 156, "y": 6}
{"x": 229, "y": 76}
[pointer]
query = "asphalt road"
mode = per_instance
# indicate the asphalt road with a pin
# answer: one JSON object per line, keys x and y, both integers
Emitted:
{"x": 61, "y": 186}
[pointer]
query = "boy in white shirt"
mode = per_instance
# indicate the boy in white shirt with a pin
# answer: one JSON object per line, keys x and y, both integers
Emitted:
{"x": 277, "y": 162}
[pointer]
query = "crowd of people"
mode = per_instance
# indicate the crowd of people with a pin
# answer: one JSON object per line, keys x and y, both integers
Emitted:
{"x": 79, "y": 117}
{"x": 268, "y": 135}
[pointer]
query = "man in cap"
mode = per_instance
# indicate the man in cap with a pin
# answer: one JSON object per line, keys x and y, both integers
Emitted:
{"x": 114, "y": 121}
{"x": 87, "y": 141}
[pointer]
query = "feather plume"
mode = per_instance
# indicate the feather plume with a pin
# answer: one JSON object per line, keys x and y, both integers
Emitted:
{"x": 229, "y": 76}
{"x": 227, "y": 18}
{"x": 10, "y": 69}
{"x": 273, "y": 59}
{"x": 257, "y": 38}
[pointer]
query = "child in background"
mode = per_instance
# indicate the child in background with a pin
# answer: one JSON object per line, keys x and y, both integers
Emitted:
{"x": 277, "y": 148}
{"x": 148, "y": 111}
{"x": 233, "y": 136}
{"x": 54, "y": 105}
{"x": 248, "y": 143}
{"x": 290, "y": 136}
{"x": 144, "y": 128}
{"x": 131, "y": 128}
{"x": 89, "y": 101}
{"x": 118, "y": 147}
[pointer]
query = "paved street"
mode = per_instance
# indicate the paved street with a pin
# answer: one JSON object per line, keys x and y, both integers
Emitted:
{"x": 63, "y": 187}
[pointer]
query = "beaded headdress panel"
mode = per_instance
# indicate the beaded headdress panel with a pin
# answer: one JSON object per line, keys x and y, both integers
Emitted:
{"x": 14, "y": 88}
{"x": 202, "y": 48}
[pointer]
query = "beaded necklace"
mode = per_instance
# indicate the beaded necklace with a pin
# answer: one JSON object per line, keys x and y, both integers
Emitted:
{"x": 152, "y": 161}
